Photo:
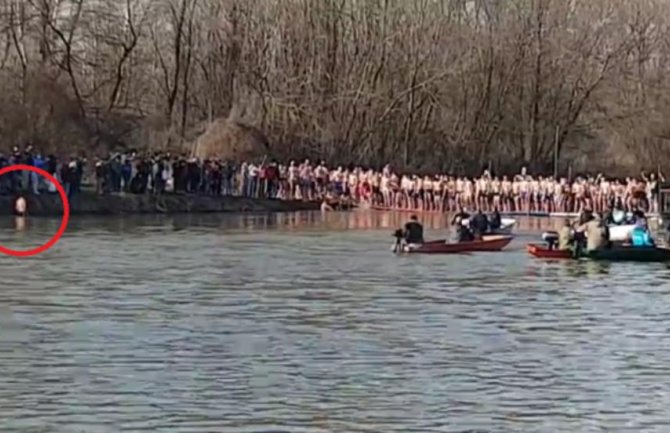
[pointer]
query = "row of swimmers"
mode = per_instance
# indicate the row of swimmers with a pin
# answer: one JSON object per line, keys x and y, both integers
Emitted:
{"x": 445, "y": 193}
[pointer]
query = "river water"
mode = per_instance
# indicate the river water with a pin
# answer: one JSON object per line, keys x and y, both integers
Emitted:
{"x": 307, "y": 323}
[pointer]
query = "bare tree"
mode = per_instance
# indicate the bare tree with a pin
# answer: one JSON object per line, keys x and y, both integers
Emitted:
{"x": 451, "y": 85}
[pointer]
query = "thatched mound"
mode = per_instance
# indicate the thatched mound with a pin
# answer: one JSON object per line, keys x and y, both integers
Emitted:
{"x": 228, "y": 139}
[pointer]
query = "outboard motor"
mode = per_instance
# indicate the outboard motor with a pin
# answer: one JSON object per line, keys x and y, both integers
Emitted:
{"x": 551, "y": 238}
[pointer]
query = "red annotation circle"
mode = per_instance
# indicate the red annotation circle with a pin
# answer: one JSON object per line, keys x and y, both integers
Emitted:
{"x": 66, "y": 211}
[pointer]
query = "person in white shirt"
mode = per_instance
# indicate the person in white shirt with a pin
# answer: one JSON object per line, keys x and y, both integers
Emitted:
{"x": 252, "y": 184}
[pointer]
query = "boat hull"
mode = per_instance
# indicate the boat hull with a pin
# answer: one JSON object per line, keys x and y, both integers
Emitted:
{"x": 614, "y": 254}
{"x": 542, "y": 252}
{"x": 631, "y": 254}
{"x": 487, "y": 244}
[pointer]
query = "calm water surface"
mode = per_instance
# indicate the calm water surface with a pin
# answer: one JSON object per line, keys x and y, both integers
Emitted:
{"x": 304, "y": 323}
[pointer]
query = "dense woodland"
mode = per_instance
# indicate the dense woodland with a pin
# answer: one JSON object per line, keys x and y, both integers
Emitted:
{"x": 425, "y": 84}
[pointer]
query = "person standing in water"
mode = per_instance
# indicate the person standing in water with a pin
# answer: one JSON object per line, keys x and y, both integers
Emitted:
{"x": 595, "y": 236}
{"x": 565, "y": 236}
{"x": 21, "y": 211}
{"x": 413, "y": 232}
{"x": 325, "y": 205}
{"x": 20, "y": 206}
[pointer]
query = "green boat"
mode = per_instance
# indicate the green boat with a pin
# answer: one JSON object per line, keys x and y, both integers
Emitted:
{"x": 630, "y": 254}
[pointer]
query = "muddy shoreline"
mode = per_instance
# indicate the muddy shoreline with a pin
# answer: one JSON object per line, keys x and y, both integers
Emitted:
{"x": 87, "y": 203}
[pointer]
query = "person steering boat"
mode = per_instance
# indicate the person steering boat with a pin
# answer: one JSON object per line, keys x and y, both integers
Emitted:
{"x": 409, "y": 237}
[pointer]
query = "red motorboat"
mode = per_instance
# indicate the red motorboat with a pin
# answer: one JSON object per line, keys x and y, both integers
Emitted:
{"x": 544, "y": 252}
{"x": 487, "y": 243}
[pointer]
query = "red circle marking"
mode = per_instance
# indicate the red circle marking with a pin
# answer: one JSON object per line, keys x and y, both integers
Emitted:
{"x": 66, "y": 212}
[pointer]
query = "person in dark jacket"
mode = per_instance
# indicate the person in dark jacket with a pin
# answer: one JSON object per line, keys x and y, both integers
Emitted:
{"x": 413, "y": 231}
{"x": 479, "y": 224}
{"x": 464, "y": 234}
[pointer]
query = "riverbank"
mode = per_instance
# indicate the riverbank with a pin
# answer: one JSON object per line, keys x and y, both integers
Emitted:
{"x": 88, "y": 203}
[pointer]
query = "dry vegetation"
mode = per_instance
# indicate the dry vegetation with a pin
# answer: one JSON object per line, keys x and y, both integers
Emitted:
{"x": 448, "y": 84}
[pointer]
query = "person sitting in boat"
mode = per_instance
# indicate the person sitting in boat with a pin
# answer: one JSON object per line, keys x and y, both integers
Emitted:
{"x": 595, "y": 235}
{"x": 640, "y": 235}
{"x": 479, "y": 224}
{"x": 464, "y": 234}
{"x": 565, "y": 236}
{"x": 459, "y": 217}
{"x": 495, "y": 220}
{"x": 628, "y": 218}
{"x": 413, "y": 232}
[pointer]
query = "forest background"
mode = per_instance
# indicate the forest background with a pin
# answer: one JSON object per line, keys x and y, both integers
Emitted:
{"x": 450, "y": 85}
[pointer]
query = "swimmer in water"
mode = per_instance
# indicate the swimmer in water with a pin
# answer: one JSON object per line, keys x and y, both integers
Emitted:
{"x": 20, "y": 207}
{"x": 20, "y": 210}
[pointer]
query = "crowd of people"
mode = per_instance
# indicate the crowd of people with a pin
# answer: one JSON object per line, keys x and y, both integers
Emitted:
{"x": 70, "y": 172}
{"x": 521, "y": 193}
{"x": 159, "y": 173}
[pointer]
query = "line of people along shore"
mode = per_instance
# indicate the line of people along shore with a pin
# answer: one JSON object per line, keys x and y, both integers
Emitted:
{"x": 340, "y": 186}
